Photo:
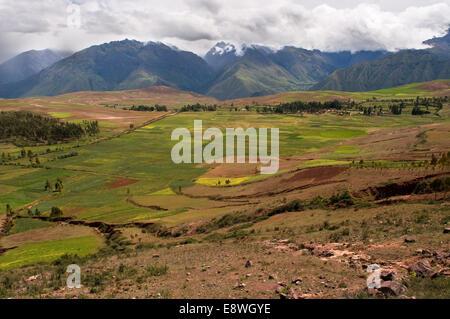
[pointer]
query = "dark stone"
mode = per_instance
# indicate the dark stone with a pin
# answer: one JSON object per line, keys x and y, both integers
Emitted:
{"x": 392, "y": 288}
{"x": 422, "y": 269}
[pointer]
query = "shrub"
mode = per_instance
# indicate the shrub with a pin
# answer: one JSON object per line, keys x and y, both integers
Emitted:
{"x": 55, "y": 212}
{"x": 156, "y": 270}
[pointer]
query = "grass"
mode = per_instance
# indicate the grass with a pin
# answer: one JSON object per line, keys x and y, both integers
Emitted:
{"x": 60, "y": 115}
{"x": 48, "y": 251}
{"x": 347, "y": 149}
{"x": 25, "y": 224}
{"x": 166, "y": 191}
{"x": 221, "y": 181}
{"x": 322, "y": 162}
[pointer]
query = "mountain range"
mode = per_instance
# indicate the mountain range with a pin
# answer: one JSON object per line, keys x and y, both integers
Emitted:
{"x": 224, "y": 72}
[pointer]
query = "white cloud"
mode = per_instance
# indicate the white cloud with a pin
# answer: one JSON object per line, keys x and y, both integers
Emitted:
{"x": 197, "y": 25}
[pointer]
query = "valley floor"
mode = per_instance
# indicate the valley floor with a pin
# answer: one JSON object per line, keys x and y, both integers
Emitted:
{"x": 352, "y": 191}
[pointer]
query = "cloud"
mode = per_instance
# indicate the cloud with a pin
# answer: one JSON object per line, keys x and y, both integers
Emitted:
{"x": 197, "y": 25}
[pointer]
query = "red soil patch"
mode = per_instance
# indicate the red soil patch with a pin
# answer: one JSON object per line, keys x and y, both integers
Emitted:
{"x": 121, "y": 183}
{"x": 320, "y": 173}
{"x": 435, "y": 86}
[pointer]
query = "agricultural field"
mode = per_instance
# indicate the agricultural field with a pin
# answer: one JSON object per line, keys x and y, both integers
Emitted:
{"x": 353, "y": 188}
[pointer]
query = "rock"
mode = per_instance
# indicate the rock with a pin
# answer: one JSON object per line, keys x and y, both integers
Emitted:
{"x": 388, "y": 274}
{"x": 297, "y": 281}
{"x": 248, "y": 264}
{"x": 239, "y": 286}
{"x": 272, "y": 276}
{"x": 410, "y": 240}
{"x": 374, "y": 292}
{"x": 392, "y": 288}
{"x": 155, "y": 256}
{"x": 422, "y": 269}
{"x": 423, "y": 252}
{"x": 33, "y": 278}
{"x": 441, "y": 255}
{"x": 447, "y": 230}
{"x": 321, "y": 252}
{"x": 283, "y": 296}
{"x": 282, "y": 283}
{"x": 444, "y": 273}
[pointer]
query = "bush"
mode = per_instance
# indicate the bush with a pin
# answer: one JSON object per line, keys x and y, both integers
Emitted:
{"x": 156, "y": 270}
{"x": 56, "y": 212}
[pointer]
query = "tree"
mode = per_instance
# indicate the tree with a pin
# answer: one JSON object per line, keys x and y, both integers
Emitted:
{"x": 434, "y": 160}
{"x": 56, "y": 212}
{"x": 48, "y": 186}
{"x": 59, "y": 185}
{"x": 437, "y": 185}
{"x": 446, "y": 186}
{"x": 37, "y": 212}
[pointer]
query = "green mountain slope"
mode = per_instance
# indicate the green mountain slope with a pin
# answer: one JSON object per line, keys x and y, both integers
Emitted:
{"x": 253, "y": 75}
{"x": 114, "y": 66}
{"x": 394, "y": 70}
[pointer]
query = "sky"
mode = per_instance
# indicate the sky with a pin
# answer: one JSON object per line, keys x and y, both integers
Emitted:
{"x": 196, "y": 25}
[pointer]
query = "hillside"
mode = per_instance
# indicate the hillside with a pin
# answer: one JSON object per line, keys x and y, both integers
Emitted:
{"x": 401, "y": 68}
{"x": 433, "y": 88}
{"x": 28, "y": 63}
{"x": 404, "y": 67}
{"x": 116, "y": 66}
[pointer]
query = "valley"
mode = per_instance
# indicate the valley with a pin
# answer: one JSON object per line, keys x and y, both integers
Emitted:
{"x": 356, "y": 186}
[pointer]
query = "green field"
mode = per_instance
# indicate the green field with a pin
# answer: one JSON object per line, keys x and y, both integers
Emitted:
{"x": 48, "y": 251}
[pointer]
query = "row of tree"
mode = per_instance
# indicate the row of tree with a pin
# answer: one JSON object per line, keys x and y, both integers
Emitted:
{"x": 198, "y": 108}
{"x": 37, "y": 128}
{"x": 300, "y": 107}
{"x": 144, "y": 108}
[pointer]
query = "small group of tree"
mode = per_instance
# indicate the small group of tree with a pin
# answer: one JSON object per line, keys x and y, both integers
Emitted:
{"x": 444, "y": 159}
{"x": 58, "y": 186}
{"x": 307, "y": 107}
{"x": 91, "y": 127}
{"x": 36, "y": 212}
{"x": 436, "y": 186}
{"x": 227, "y": 182}
{"x": 71, "y": 154}
{"x": 198, "y": 108}
{"x": 25, "y": 127}
{"x": 436, "y": 102}
{"x": 396, "y": 109}
{"x": 144, "y": 108}
{"x": 418, "y": 111}
{"x": 56, "y": 212}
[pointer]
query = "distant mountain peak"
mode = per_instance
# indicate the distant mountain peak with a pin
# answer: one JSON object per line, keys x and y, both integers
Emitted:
{"x": 260, "y": 48}
{"x": 222, "y": 48}
{"x": 438, "y": 40}
{"x": 221, "y": 55}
